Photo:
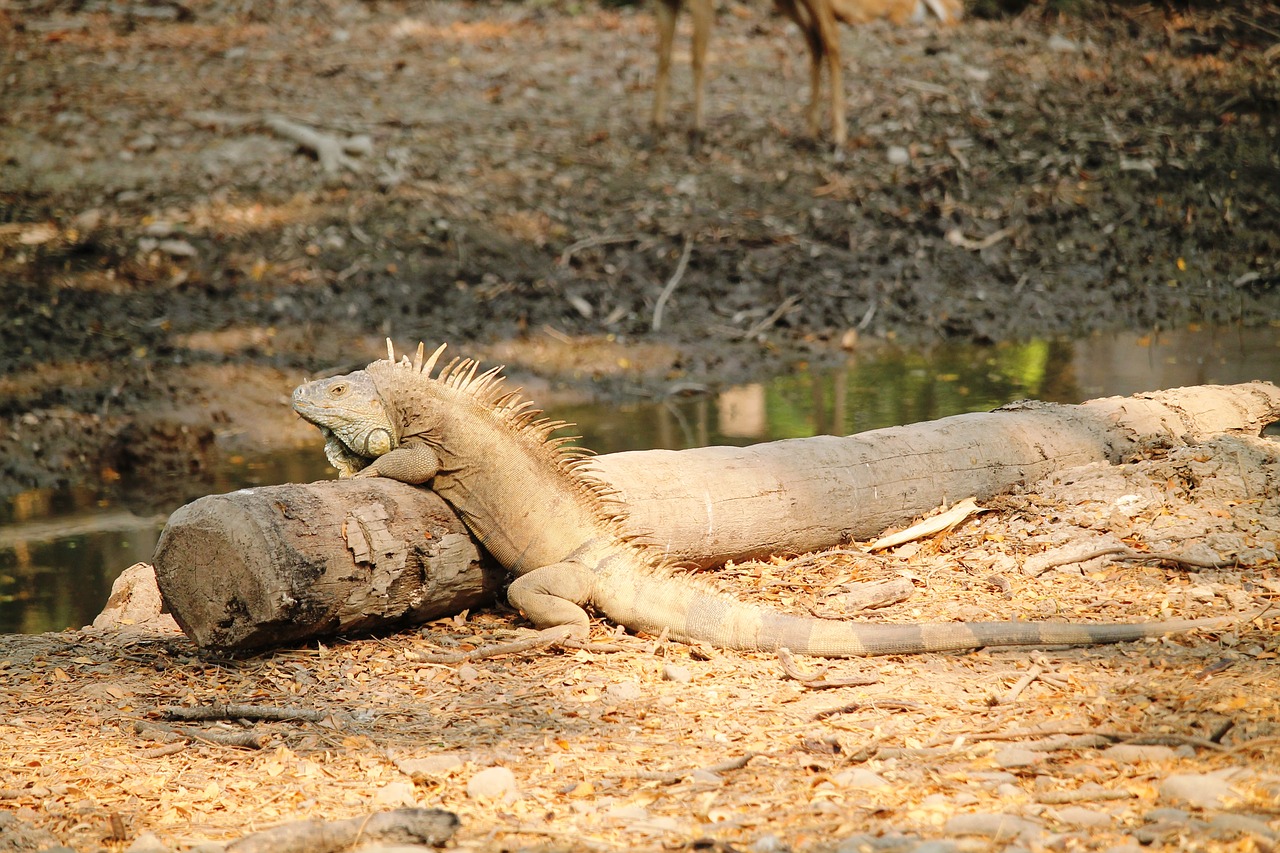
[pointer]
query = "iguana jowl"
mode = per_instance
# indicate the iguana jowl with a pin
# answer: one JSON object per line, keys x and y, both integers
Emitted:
{"x": 530, "y": 500}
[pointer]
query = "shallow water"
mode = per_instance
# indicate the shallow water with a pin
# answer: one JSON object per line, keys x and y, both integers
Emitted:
{"x": 60, "y": 551}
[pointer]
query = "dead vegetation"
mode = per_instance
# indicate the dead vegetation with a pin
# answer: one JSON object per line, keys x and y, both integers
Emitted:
{"x": 634, "y": 742}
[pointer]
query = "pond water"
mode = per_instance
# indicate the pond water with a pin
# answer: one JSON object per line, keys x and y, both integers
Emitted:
{"x": 60, "y": 551}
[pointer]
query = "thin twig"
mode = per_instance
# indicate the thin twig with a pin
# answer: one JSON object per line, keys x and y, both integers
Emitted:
{"x": 1124, "y": 552}
{"x": 818, "y": 682}
{"x": 269, "y": 713}
{"x": 1136, "y": 738}
{"x": 548, "y": 639}
{"x": 767, "y": 322}
{"x": 247, "y": 740}
{"x": 676, "y": 775}
{"x": 1022, "y": 684}
{"x": 1061, "y": 798}
{"x": 591, "y": 242}
{"x": 681, "y": 265}
{"x": 875, "y": 705}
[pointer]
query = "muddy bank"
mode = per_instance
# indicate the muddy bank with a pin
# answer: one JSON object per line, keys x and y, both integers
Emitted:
{"x": 173, "y": 264}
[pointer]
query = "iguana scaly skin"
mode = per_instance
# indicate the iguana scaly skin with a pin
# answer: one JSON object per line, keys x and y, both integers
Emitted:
{"x": 532, "y": 503}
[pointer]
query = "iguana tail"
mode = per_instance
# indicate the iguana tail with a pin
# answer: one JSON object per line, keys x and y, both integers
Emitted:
{"x": 689, "y": 612}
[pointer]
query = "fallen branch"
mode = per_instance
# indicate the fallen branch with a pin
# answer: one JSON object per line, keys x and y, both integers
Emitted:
{"x": 1124, "y": 552}
{"x": 767, "y": 322}
{"x": 243, "y": 740}
{"x": 819, "y": 681}
{"x": 671, "y": 776}
{"x": 939, "y": 523}
{"x": 540, "y": 641}
{"x": 265, "y": 713}
{"x": 431, "y": 827}
{"x": 1022, "y": 684}
{"x": 331, "y": 151}
{"x": 591, "y": 243}
{"x": 1062, "y": 798}
{"x": 873, "y": 705}
{"x": 681, "y": 265}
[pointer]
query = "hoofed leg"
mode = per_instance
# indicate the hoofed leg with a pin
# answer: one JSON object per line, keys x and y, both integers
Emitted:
{"x": 829, "y": 35}
{"x": 666, "y": 13}
{"x": 703, "y": 16}
{"x": 552, "y": 597}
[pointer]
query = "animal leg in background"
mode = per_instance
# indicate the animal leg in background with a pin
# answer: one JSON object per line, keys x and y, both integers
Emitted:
{"x": 817, "y": 22}
{"x": 668, "y": 11}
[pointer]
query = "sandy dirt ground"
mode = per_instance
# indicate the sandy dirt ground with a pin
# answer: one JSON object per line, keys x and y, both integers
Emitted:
{"x": 172, "y": 264}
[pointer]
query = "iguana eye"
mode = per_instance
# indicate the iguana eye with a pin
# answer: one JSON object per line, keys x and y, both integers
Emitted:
{"x": 338, "y": 390}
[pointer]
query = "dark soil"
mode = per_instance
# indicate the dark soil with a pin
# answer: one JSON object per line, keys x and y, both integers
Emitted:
{"x": 172, "y": 267}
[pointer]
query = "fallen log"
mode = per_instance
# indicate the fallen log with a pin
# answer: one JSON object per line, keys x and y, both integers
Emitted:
{"x": 277, "y": 564}
{"x": 713, "y": 504}
{"x": 266, "y": 566}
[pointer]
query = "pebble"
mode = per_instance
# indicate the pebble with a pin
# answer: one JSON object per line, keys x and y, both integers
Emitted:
{"x": 147, "y": 842}
{"x": 431, "y": 765}
{"x": 859, "y": 777}
{"x": 1015, "y": 757}
{"x": 676, "y": 672}
{"x": 1081, "y": 816}
{"x": 623, "y": 691}
{"x": 1230, "y": 825}
{"x": 394, "y": 794}
{"x": 897, "y": 155}
{"x": 994, "y": 825}
{"x": 1201, "y": 790}
{"x": 1131, "y": 753}
{"x": 492, "y": 783}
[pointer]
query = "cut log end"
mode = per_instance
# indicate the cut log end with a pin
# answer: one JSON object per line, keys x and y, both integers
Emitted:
{"x": 261, "y": 567}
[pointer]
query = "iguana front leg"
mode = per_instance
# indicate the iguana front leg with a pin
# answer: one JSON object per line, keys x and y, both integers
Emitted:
{"x": 552, "y": 597}
{"x": 413, "y": 463}
{"x": 340, "y": 456}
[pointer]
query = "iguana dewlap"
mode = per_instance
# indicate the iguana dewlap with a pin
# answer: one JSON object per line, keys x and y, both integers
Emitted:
{"x": 529, "y": 499}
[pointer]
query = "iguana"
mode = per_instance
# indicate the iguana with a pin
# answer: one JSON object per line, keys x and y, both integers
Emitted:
{"x": 534, "y": 504}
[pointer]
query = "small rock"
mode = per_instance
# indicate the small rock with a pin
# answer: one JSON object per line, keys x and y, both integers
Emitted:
{"x": 768, "y": 844}
{"x": 859, "y": 777}
{"x": 394, "y": 794}
{"x": 1014, "y": 757}
{"x": 1081, "y": 816}
{"x": 1202, "y": 790}
{"x": 177, "y": 248}
{"x": 430, "y": 766}
{"x": 492, "y": 783}
{"x": 995, "y": 825}
{"x": 623, "y": 691}
{"x": 677, "y": 673}
{"x": 1062, "y": 44}
{"x": 135, "y": 601}
{"x": 897, "y": 155}
{"x": 147, "y": 842}
{"x": 1231, "y": 825}
{"x": 1132, "y": 753}
{"x": 891, "y": 842}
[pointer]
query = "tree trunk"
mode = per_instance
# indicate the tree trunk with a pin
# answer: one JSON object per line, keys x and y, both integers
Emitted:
{"x": 270, "y": 565}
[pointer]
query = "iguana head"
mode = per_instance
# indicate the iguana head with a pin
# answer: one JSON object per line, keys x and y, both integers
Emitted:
{"x": 350, "y": 413}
